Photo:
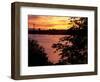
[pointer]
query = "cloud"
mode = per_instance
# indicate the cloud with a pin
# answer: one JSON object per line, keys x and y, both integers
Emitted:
{"x": 50, "y": 22}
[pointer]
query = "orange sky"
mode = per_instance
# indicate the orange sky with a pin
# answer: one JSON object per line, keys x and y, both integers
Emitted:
{"x": 49, "y": 22}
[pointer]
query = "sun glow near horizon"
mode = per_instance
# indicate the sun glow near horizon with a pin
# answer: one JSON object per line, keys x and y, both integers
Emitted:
{"x": 49, "y": 22}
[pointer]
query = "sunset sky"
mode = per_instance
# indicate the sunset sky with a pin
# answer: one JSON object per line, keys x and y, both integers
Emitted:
{"x": 49, "y": 22}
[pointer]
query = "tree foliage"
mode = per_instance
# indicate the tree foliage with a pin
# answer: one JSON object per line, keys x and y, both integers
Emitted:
{"x": 36, "y": 54}
{"x": 73, "y": 47}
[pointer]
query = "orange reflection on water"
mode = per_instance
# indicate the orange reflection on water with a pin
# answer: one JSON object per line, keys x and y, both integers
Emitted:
{"x": 46, "y": 41}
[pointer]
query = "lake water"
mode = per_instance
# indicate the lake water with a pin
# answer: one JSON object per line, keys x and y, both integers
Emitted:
{"x": 46, "y": 42}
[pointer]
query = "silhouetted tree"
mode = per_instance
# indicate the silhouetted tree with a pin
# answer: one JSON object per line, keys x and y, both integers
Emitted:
{"x": 36, "y": 54}
{"x": 73, "y": 48}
